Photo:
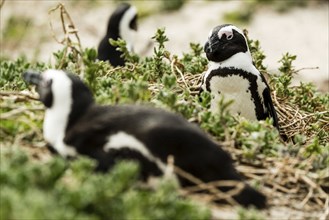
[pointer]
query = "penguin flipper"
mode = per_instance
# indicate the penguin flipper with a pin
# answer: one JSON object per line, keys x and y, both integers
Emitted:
{"x": 270, "y": 107}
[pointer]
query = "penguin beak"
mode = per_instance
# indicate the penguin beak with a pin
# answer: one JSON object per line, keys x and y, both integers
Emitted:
{"x": 207, "y": 47}
{"x": 43, "y": 87}
{"x": 212, "y": 49}
{"x": 32, "y": 77}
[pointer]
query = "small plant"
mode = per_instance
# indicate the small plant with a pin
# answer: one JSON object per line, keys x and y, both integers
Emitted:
{"x": 258, "y": 139}
{"x": 217, "y": 124}
{"x": 194, "y": 62}
{"x": 122, "y": 47}
{"x": 160, "y": 53}
{"x": 258, "y": 55}
{"x": 287, "y": 71}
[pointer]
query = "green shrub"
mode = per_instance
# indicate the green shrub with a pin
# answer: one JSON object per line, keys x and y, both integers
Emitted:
{"x": 57, "y": 189}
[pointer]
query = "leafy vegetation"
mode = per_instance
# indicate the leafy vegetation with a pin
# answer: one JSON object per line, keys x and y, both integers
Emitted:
{"x": 57, "y": 190}
{"x": 54, "y": 188}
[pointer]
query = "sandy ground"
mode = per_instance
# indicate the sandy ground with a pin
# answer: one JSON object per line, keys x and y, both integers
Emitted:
{"x": 303, "y": 31}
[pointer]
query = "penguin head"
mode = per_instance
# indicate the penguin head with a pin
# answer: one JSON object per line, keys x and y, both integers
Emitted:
{"x": 123, "y": 24}
{"x": 224, "y": 41}
{"x": 56, "y": 87}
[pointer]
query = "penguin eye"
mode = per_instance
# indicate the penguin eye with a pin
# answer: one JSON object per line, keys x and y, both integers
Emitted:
{"x": 229, "y": 36}
{"x": 133, "y": 23}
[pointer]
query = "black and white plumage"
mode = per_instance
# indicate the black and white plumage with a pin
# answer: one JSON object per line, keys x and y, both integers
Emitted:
{"x": 122, "y": 24}
{"x": 232, "y": 75}
{"x": 74, "y": 124}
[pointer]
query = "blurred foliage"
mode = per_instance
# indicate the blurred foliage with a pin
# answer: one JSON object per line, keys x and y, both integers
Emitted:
{"x": 249, "y": 8}
{"x": 16, "y": 28}
{"x": 240, "y": 16}
{"x": 11, "y": 73}
{"x": 147, "y": 8}
{"x": 172, "y": 5}
{"x": 59, "y": 190}
{"x": 251, "y": 214}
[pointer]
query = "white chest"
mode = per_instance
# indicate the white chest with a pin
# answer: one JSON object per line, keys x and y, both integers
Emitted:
{"x": 54, "y": 126}
{"x": 233, "y": 88}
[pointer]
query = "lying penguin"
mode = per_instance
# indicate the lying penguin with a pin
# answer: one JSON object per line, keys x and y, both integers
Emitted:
{"x": 74, "y": 125}
{"x": 232, "y": 75}
{"x": 122, "y": 24}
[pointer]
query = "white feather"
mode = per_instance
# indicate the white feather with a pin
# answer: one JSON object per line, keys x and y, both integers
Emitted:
{"x": 230, "y": 28}
{"x": 233, "y": 88}
{"x": 124, "y": 140}
{"x": 56, "y": 117}
{"x": 126, "y": 33}
{"x": 243, "y": 61}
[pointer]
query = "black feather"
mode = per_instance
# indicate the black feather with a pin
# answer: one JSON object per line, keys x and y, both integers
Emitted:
{"x": 163, "y": 134}
{"x": 106, "y": 51}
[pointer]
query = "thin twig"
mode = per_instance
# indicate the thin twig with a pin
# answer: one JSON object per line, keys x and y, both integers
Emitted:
{"x": 67, "y": 42}
{"x": 17, "y": 111}
{"x": 22, "y": 94}
{"x": 203, "y": 186}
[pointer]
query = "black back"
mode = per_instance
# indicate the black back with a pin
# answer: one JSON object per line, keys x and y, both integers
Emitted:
{"x": 107, "y": 52}
{"x": 82, "y": 100}
{"x": 271, "y": 112}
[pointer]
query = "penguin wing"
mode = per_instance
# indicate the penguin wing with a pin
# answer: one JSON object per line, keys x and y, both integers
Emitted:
{"x": 270, "y": 107}
{"x": 90, "y": 131}
{"x": 269, "y": 103}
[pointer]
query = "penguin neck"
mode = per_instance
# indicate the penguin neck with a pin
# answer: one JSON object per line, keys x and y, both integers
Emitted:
{"x": 63, "y": 115}
{"x": 112, "y": 32}
{"x": 125, "y": 30}
{"x": 56, "y": 120}
{"x": 242, "y": 60}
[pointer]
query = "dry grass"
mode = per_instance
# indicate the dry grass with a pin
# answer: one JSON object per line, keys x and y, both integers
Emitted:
{"x": 294, "y": 121}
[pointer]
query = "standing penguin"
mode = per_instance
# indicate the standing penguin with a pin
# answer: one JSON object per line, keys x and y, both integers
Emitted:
{"x": 122, "y": 24}
{"x": 74, "y": 124}
{"x": 232, "y": 75}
